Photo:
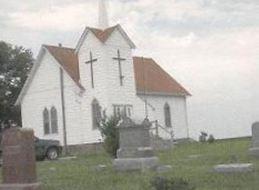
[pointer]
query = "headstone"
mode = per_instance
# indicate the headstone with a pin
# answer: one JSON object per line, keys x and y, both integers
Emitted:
{"x": 234, "y": 168}
{"x": 19, "y": 165}
{"x": 254, "y": 150}
{"x": 164, "y": 168}
{"x": 135, "y": 152}
{"x": 68, "y": 158}
{"x": 100, "y": 167}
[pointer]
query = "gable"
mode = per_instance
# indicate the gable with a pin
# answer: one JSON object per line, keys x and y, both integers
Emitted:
{"x": 116, "y": 39}
{"x": 104, "y": 35}
{"x": 67, "y": 58}
{"x": 42, "y": 82}
{"x": 62, "y": 56}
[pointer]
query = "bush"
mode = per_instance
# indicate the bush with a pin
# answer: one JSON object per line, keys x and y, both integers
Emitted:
{"x": 162, "y": 183}
{"x": 203, "y": 137}
{"x": 211, "y": 139}
{"x": 111, "y": 135}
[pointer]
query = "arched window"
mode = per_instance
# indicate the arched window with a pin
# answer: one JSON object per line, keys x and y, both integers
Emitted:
{"x": 167, "y": 112}
{"x": 46, "y": 121}
{"x": 96, "y": 114}
{"x": 54, "y": 120}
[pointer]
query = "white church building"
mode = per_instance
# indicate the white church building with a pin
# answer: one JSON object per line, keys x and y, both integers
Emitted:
{"x": 70, "y": 89}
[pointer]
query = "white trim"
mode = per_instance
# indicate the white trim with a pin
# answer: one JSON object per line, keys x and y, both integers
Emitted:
{"x": 31, "y": 76}
{"x": 125, "y": 35}
{"x": 81, "y": 40}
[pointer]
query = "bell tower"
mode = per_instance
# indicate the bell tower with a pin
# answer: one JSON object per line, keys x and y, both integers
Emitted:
{"x": 103, "y": 15}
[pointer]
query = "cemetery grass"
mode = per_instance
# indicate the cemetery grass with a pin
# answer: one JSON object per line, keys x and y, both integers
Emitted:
{"x": 192, "y": 162}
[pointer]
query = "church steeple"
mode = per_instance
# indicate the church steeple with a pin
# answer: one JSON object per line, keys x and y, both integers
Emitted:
{"x": 103, "y": 15}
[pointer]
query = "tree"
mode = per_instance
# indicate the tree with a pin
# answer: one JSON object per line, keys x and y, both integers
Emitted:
{"x": 15, "y": 64}
{"x": 110, "y": 133}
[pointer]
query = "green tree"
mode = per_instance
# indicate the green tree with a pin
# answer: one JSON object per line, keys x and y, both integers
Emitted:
{"x": 15, "y": 64}
{"x": 110, "y": 133}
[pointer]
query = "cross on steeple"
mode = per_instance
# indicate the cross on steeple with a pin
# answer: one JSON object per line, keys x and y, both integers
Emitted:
{"x": 119, "y": 59}
{"x": 91, "y": 61}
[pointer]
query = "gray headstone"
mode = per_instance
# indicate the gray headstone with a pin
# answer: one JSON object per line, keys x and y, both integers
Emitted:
{"x": 255, "y": 134}
{"x": 100, "y": 167}
{"x": 135, "y": 152}
{"x": 68, "y": 158}
{"x": 254, "y": 150}
{"x": 164, "y": 168}
{"x": 134, "y": 164}
{"x": 234, "y": 168}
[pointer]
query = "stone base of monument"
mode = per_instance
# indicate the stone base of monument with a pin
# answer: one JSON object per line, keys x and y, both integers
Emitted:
{"x": 140, "y": 152}
{"x": 32, "y": 186}
{"x": 135, "y": 164}
{"x": 254, "y": 152}
{"x": 234, "y": 168}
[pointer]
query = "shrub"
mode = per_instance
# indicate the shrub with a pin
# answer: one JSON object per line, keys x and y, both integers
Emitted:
{"x": 211, "y": 139}
{"x": 110, "y": 134}
{"x": 162, "y": 183}
{"x": 203, "y": 137}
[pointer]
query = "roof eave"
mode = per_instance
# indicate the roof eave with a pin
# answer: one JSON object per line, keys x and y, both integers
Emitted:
{"x": 81, "y": 39}
{"x": 30, "y": 77}
{"x": 125, "y": 35}
{"x": 61, "y": 66}
{"x": 140, "y": 92}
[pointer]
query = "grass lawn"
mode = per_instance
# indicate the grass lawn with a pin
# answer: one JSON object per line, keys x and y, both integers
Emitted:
{"x": 80, "y": 174}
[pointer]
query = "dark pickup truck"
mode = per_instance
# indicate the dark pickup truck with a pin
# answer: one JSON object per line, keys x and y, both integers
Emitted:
{"x": 49, "y": 149}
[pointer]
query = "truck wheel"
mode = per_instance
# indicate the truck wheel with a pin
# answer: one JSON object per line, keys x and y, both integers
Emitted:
{"x": 52, "y": 153}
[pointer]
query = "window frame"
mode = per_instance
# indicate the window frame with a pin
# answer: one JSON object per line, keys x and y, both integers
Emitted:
{"x": 46, "y": 122}
{"x": 125, "y": 110}
{"x": 54, "y": 120}
{"x": 167, "y": 115}
{"x": 96, "y": 114}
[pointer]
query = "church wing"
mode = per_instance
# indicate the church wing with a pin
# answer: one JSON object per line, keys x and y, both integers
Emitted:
{"x": 68, "y": 59}
{"x": 152, "y": 79}
{"x": 64, "y": 56}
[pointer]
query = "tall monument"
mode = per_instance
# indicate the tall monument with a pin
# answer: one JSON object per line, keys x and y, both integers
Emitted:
{"x": 103, "y": 15}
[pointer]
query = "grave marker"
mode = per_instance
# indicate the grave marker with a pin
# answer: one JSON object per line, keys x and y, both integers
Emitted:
{"x": 254, "y": 150}
{"x": 19, "y": 165}
{"x": 135, "y": 151}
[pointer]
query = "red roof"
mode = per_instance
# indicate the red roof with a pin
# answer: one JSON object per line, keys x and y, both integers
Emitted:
{"x": 68, "y": 60}
{"x": 149, "y": 76}
{"x": 152, "y": 79}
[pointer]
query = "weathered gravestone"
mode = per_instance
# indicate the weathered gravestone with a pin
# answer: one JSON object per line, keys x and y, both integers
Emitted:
{"x": 254, "y": 150}
{"x": 234, "y": 168}
{"x": 135, "y": 151}
{"x": 19, "y": 166}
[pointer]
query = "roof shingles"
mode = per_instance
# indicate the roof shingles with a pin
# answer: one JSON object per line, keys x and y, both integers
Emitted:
{"x": 68, "y": 59}
{"x": 152, "y": 79}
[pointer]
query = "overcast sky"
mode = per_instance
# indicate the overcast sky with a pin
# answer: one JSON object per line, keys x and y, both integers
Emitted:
{"x": 210, "y": 46}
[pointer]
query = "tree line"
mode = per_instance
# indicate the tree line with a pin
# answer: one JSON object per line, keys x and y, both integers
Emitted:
{"x": 15, "y": 64}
